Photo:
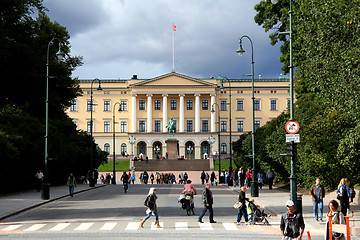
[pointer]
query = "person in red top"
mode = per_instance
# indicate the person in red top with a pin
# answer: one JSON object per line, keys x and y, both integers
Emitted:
{"x": 248, "y": 177}
{"x": 189, "y": 188}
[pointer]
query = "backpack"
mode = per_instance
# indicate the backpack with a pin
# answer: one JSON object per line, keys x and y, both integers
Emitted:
{"x": 147, "y": 199}
{"x": 352, "y": 193}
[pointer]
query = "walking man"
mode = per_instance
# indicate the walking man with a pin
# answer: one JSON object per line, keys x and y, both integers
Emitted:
{"x": 270, "y": 175}
{"x": 71, "y": 182}
{"x": 317, "y": 192}
{"x": 208, "y": 202}
{"x": 39, "y": 176}
{"x": 292, "y": 224}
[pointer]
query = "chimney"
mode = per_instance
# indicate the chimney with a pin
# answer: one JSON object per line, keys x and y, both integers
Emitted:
{"x": 134, "y": 77}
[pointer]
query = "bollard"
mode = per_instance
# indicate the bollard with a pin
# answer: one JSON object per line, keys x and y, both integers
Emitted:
{"x": 298, "y": 205}
{"x": 45, "y": 191}
{"x": 308, "y": 233}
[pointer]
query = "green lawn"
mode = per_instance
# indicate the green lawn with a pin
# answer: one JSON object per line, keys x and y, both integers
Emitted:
{"x": 225, "y": 164}
{"x": 120, "y": 166}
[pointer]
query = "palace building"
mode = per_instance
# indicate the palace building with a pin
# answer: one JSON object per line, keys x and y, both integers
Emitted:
{"x": 199, "y": 107}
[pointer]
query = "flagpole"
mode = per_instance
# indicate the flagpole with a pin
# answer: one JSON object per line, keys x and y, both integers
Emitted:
{"x": 173, "y": 47}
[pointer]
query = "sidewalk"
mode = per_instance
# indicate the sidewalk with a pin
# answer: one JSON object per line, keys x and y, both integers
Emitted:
{"x": 14, "y": 203}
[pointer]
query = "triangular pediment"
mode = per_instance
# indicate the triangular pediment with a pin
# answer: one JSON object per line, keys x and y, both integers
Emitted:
{"x": 173, "y": 79}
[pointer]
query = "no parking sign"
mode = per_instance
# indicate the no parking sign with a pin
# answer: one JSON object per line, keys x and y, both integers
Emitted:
{"x": 292, "y": 126}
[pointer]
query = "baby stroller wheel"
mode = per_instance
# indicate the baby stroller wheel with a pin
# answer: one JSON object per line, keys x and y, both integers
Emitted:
{"x": 266, "y": 222}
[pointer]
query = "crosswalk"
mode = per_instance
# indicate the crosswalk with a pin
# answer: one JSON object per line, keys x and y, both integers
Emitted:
{"x": 130, "y": 226}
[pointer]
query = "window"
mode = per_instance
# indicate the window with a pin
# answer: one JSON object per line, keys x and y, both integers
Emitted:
{"x": 107, "y": 148}
{"x": 89, "y": 126}
{"x": 141, "y": 104}
{"x": 107, "y": 105}
{"x": 205, "y": 125}
{"x": 240, "y": 105}
{"x": 223, "y": 126}
{"x": 90, "y": 106}
{"x": 257, "y": 124}
{"x": 257, "y": 105}
{"x": 107, "y": 126}
{"x": 240, "y": 125}
{"x": 157, "y": 105}
{"x": 173, "y": 104}
{"x": 273, "y": 104}
{"x": 223, "y": 148}
{"x": 123, "y": 105}
{"x": 123, "y": 149}
{"x": 205, "y": 104}
{"x": 223, "y": 104}
{"x": 288, "y": 104}
{"x": 123, "y": 126}
{"x": 189, "y": 104}
{"x": 141, "y": 126}
{"x": 157, "y": 127}
{"x": 73, "y": 106}
{"x": 189, "y": 125}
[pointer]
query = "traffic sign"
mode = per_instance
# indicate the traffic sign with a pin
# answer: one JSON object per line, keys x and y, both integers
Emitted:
{"x": 292, "y": 127}
{"x": 293, "y": 138}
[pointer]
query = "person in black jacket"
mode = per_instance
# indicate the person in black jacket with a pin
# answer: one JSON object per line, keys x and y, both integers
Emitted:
{"x": 242, "y": 211}
{"x": 208, "y": 202}
{"x": 292, "y": 224}
{"x": 150, "y": 203}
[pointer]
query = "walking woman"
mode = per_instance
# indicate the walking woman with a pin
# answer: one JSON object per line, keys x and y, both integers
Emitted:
{"x": 242, "y": 211}
{"x": 337, "y": 217}
{"x": 150, "y": 203}
{"x": 343, "y": 194}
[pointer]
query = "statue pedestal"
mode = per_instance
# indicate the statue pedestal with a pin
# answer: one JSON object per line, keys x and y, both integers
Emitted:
{"x": 171, "y": 148}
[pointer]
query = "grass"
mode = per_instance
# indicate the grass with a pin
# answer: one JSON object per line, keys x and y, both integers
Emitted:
{"x": 225, "y": 164}
{"x": 120, "y": 166}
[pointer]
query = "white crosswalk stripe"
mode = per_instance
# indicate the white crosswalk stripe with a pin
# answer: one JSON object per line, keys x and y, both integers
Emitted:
{"x": 59, "y": 227}
{"x": 11, "y": 227}
{"x": 230, "y": 226}
{"x": 132, "y": 226}
{"x": 181, "y": 226}
{"x": 83, "y": 226}
{"x": 108, "y": 226}
{"x": 206, "y": 226}
{"x": 34, "y": 227}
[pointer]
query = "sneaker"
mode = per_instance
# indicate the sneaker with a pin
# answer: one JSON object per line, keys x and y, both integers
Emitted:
{"x": 200, "y": 221}
{"x": 238, "y": 223}
{"x": 247, "y": 223}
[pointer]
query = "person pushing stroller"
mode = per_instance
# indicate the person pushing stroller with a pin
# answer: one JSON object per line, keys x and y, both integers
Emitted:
{"x": 255, "y": 214}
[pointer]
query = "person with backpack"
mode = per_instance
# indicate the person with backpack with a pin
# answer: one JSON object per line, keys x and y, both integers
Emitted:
{"x": 150, "y": 203}
{"x": 337, "y": 217}
{"x": 292, "y": 224}
{"x": 343, "y": 194}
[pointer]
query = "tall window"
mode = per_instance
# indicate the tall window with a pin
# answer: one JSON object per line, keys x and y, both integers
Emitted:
{"x": 123, "y": 149}
{"x": 273, "y": 104}
{"x": 89, "y": 126}
{"x": 107, "y": 148}
{"x": 157, "y": 127}
{"x": 257, "y": 105}
{"x": 123, "y": 126}
{"x": 123, "y": 105}
{"x": 173, "y": 104}
{"x": 257, "y": 124}
{"x": 240, "y": 125}
{"x": 73, "y": 106}
{"x": 157, "y": 105}
{"x": 205, "y": 125}
{"x": 107, "y": 126}
{"x": 223, "y": 125}
{"x": 141, "y": 104}
{"x": 223, "y": 148}
{"x": 205, "y": 104}
{"x": 189, "y": 125}
{"x": 90, "y": 106}
{"x": 107, "y": 105}
{"x": 189, "y": 104}
{"x": 240, "y": 105}
{"x": 223, "y": 104}
{"x": 141, "y": 126}
{"x": 288, "y": 104}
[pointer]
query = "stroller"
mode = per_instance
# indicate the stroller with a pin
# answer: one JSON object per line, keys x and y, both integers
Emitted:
{"x": 257, "y": 215}
{"x": 187, "y": 203}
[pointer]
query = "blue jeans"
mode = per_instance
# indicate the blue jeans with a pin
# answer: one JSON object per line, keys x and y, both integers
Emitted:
{"x": 211, "y": 215}
{"x": 318, "y": 207}
{"x": 71, "y": 190}
{"x": 242, "y": 212}
{"x": 149, "y": 215}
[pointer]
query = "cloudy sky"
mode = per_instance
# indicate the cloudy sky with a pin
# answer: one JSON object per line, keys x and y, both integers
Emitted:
{"x": 119, "y": 38}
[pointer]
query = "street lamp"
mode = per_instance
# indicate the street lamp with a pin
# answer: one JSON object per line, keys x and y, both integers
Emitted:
{"x": 114, "y": 172}
{"x": 254, "y": 183}
{"x": 45, "y": 190}
{"x": 92, "y": 173}
{"x": 219, "y": 146}
{"x": 211, "y": 141}
{"x": 132, "y": 141}
{"x": 223, "y": 79}
{"x": 293, "y": 188}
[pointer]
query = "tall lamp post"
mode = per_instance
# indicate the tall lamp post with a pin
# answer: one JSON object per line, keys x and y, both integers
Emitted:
{"x": 92, "y": 173}
{"x": 254, "y": 182}
{"x": 211, "y": 141}
{"x": 114, "y": 146}
{"x": 45, "y": 190}
{"x": 219, "y": 146}
{"x": 293, "y": 187}
{"x": 132, "y": 141}
{"x": 223, "y": 79}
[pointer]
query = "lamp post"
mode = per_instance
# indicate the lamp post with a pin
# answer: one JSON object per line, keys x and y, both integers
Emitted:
{"x": 223, "y": 79}
{"x": 92, "y": 173}
{"x": 45, "y": 190}
{"x": 114, "y": 146}
{"x": 254, "y": 182}
{"x": 219, "y": 146}
{"x": 132, "y": 141}
{"x": 211, "y": 141}
{"x": 293, "y": 187}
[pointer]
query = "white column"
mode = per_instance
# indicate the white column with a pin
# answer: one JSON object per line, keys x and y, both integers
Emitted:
{"x": 212, "y": 120}
{"x": 181, "y": 114}
{"x": 197, "y": 112}
{"x": 165, "y": 112}
{"x": 149, "y": 113}
{"x": 133, "y": 113}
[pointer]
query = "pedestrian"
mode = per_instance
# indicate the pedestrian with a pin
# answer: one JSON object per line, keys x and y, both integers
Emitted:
{"x": 242, "y": 177}
{"x": 39, "y": 177}
{"x": 235, "y": 177}
{"x": 152, "y": 178}
{"x": 337, "y": 217}
{"x": 243, "y": 210}
{"x": 71, "y": 183}
{"x": 150, "y": 203}
{"x": 207, "y": 177}
{"x": 270, "y": 176}
{"x": 343, "y": 194}
{"x": 133, "y": 178}
{"x": 212, "y": 178}
{"x": 292, "y": 224}
{"x": 185, "y": 177}
{"x": 317, "y": 193}
{"x": 208, "y": 201}
{"x": 203, "y": 176}
{"x": 260, "y": 177}
{"x": 248, "y": 177}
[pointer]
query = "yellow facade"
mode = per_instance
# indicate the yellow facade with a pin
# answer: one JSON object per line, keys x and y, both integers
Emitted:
{"x": 187, "y": 100}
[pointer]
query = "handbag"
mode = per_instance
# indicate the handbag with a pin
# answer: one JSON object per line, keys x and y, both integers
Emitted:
{"x": 238, "y": 205}
{"x": 338, "y": 197}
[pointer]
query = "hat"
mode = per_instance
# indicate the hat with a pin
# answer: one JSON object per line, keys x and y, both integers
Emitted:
{"x": 289, "y": 203}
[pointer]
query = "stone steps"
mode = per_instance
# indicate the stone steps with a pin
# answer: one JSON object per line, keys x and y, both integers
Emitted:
{"x": 173, "y": 165}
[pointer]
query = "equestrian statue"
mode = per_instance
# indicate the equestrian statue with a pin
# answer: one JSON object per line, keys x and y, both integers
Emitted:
{"x": 171, "y": 128}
